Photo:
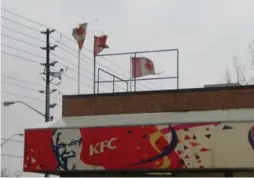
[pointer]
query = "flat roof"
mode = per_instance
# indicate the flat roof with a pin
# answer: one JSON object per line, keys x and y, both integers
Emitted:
{"x": 219, "y": 88}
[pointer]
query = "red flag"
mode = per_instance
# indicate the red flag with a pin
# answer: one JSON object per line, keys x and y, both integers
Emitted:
{"x": 79, "y": 34}
{"x": 100, "y": 44}
{"x": 142, "y": 66}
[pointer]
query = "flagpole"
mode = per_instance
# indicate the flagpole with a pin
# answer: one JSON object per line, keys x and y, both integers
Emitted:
{"x": 135, "y": 70}
{"x": 94, "y": 64}
{"x": 79, "y": 70}
{"x": 130, "y": 73}
{"x": 94, "y": 72}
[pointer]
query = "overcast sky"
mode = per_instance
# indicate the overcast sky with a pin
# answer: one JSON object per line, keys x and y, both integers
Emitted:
{"x": 208, "y": 34}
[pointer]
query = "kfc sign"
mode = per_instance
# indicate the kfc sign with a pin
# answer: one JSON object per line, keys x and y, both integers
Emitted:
{"x": 100, "y": 147}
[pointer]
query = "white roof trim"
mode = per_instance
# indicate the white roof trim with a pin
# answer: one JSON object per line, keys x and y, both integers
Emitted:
{"x": 233, "y": 115}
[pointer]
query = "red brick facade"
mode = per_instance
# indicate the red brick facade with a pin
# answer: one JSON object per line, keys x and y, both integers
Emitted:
{"x": 159, "y": 101}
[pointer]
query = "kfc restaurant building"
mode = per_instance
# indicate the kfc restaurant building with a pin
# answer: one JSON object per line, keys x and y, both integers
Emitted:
{"x": 187, "y": 132}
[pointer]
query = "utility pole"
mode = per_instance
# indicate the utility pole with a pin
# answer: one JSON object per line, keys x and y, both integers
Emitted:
{"x": 48, "y": 48}
{"x": 47, "y": 72}
{"x": 50, "y": 75}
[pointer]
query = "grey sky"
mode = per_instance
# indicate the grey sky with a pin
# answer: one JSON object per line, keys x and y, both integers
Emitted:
{"x": 207, "y": 32}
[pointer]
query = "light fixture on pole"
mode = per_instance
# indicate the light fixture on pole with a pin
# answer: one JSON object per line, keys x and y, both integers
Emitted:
{"x": 9, "y": 103}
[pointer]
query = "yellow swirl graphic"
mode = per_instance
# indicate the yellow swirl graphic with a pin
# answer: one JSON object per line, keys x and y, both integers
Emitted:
{"x": 153, "y": 138}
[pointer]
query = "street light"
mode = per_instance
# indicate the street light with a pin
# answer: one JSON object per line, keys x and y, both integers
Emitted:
{"x": 20, "y": 134}
{"x": 9, "y": 103}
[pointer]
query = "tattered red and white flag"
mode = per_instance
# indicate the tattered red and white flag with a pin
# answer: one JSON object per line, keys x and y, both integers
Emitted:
{"x": 79, "y": 34}
{"x": 142, "y": 66}
{"x": 100, "y": 43}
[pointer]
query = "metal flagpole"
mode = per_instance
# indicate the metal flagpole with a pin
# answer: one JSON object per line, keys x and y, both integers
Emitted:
{"x": 135, "y": 70}
{"x": 94, "y": 65}
{"x": 79, "y": 50}
{"x": 94, "y": 74}
{"x": 130, "y": 73}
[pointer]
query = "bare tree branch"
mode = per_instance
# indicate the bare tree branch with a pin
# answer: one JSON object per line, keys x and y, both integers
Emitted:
{"x": 240, "y": 72}
{"x": 251, "y": 47}
{"x": 239, "y": 69}
{"x": 8, "y": 173}
{"x": 228, "y": 76}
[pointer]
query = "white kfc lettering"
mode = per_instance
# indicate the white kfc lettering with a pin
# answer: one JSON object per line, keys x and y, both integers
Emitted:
{"x": 100, "y": 147}
{"x": 110, "y": 144}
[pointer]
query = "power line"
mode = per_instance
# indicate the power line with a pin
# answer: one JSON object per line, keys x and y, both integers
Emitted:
{"x": 20, "y": 57}
{"x": 61, "y": 43}
{"x": 22, "y": 96}
{"x": 18, "y": 141}
{"x": 77, "y": 80}
{"x": 43, "y": 58}
{"x": 31, "y": 44}
{"x": 56, "y": 40}
{"x": 12, "y": 84}
{"x": 92, "y": 59}
{"x": 31, "y": 60}
{"x": 24, "y": 17}
{"x": 63, "y": 59}
{"x": 76, "y": 55}
{"x": 30, "y": 89}
{"x": 38, "y": 63}
{"x": 35, "y": 55}
{"x": 14, "y": 156}
{"x": 81, "y": 55}
{"x": 13, "y": 21}
{"x": 92, "y": 53}
{"x": 22, "y": 33}
{"x": 20, "y": 80}
{"x": 86, "y": 62}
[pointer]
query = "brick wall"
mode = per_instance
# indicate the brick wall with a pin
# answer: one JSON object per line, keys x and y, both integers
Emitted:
{"x": 159, "y": 101}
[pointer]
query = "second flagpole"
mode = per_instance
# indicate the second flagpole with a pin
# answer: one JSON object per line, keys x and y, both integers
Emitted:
{"x": 78, "y": 71}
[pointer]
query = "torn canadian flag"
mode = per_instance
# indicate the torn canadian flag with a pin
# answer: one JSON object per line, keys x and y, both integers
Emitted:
{"x": 141, "y": 66}
{"x": 100, "y": 43}
{"x": 79, "y": 34}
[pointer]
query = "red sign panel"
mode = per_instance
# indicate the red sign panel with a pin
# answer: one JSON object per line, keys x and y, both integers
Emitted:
{"x": 123, "y": 148}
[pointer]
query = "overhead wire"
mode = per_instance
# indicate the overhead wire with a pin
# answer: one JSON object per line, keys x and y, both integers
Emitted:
{"x": 31, "y": 44}
{"x": 20, "y": 80}
{"x": 60, "y": 34}
{"x": 6, "y": 10}
{"x": 38, "y": 30}
{"x": 14, "y": 156}
{"x": 25, "y": 88}
{"x": 39, "y": 56}
{"x": 99, "y": 57}
{"x": 22, "y": 96}
{"x": 10, "y": 140}
{"x": 2, "y": 17}
{"x": 13, "y": 55}
{"x": 23, "y": 33}
{"x": 16, "y": 85}
{"x": 91, "y": 58}
{"x": 35, "y": 62}
{"x": 87, "y": 63}
{"x": 20, "y": 41}
{"x": 65, "y": 60}
{"x": 35, "y": 55}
